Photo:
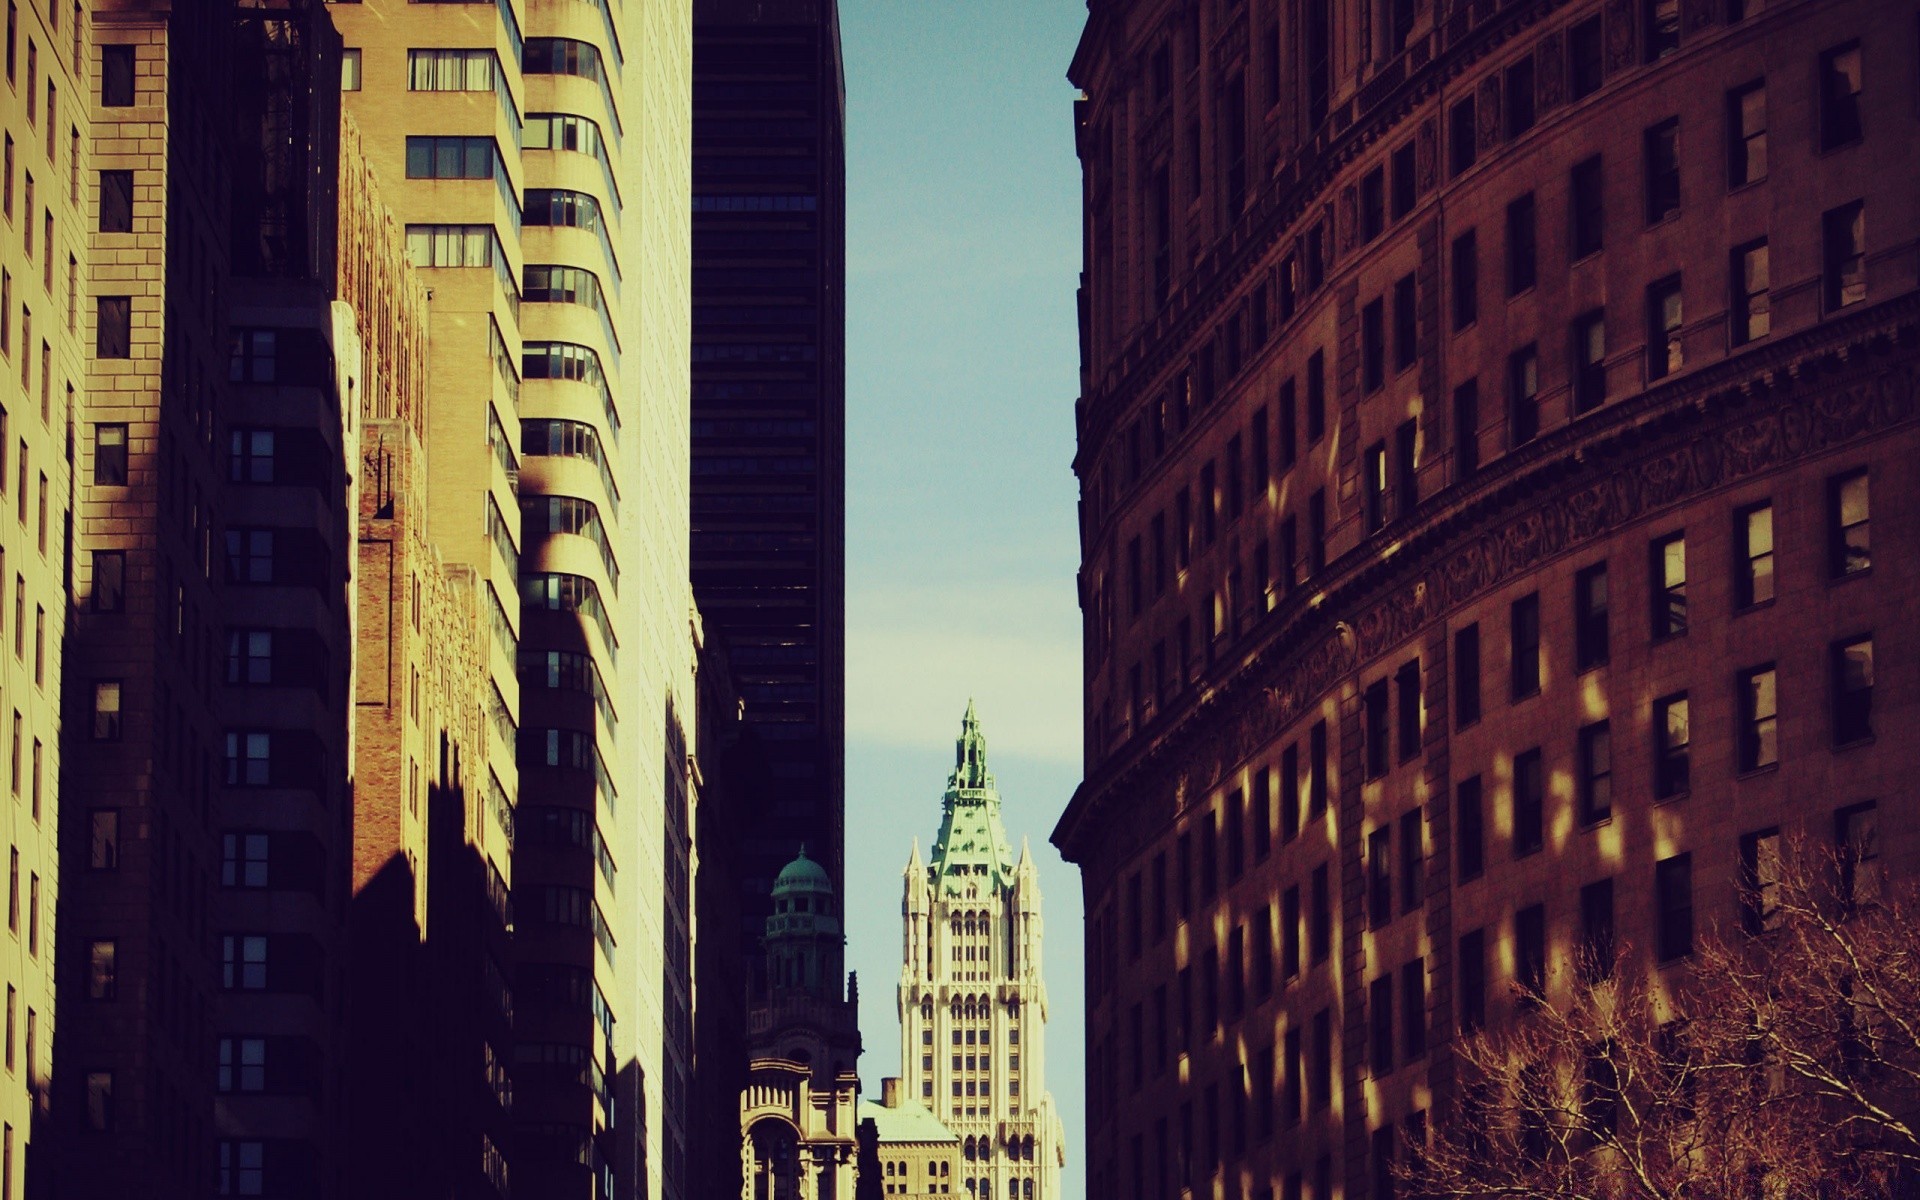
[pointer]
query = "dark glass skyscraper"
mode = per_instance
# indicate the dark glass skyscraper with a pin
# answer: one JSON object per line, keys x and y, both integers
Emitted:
{"x": 769, "y": 404}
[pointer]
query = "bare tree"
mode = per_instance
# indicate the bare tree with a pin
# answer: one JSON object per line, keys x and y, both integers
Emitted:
{"x": 1786, "y": 1060}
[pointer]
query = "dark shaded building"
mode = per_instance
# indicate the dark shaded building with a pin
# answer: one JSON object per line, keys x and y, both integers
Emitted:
{"x": 1497, "y": 443}
{"x": 769, "y": 331}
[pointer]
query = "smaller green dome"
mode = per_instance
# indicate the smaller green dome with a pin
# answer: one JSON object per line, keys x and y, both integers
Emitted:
{"x": 803, "y": 875}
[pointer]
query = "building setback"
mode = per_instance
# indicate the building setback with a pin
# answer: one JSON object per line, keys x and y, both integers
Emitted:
{"x": 1496, "y": 435}
{"x": 769, "y": 410}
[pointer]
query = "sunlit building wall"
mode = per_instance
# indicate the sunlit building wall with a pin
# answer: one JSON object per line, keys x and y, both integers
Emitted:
{"x": 1496, "y": 444}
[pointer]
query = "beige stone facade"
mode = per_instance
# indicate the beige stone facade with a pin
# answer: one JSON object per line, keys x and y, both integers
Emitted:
{"x": 1496, "y": 444}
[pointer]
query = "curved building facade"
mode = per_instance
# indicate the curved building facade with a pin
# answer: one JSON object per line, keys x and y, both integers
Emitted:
{"x": 1497, "y": 443}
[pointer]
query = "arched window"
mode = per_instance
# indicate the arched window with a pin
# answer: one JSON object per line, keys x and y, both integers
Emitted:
{"x": 1029, "y": 1189}
{"x": 1026, "y": 1148}
{"x": 926, "y": 1008}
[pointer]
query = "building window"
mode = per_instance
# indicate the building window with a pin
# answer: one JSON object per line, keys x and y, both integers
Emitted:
{"x": 1407, "y": 697}
{"x": 1413, "y": 859}
{"x": 1320, "y": 932}
{"x": 99, "y": 1101}
{"x": 451, "y": 70}
{"x": 1529, "y": 802}
{"x": 1840, "y": 96}
{"x": 249, "y": 555}
{"x": 1660, "y": 20}
{"x": 1747, "y": 134}
{"x": 1406, "y": 322}
{"x": 1466, "y": 430}
{"x": 106, "y": 711}
{"x": 1523, "y": 396}
{"x": 250, "y": 456}
{"x": 1404, "y": 189}
{"x": 116, "y": 76}
{"x": 1665, "y": 351}
{"x": 1472, "y": 851}
{"x": 1530, "y": 951}
{"x": 1587, "y": 211}
{"x": 1316, "y": 396}
{"x": 1522, "y": 250}
{"x": 1596, "y": 931}
{"x": 243, "y": 962}
{"x": 1849, "y": 551}
{"x": 103, "y": 981}
{"x": 1585, "y": 59}
{"x": 109, "y": 580}
{"x": 1671, "y": 737}
{"x": 243, "y": 1065}
{"x": 1856, "y": 834}
{"x": 1373, "y": 204}
{"x": 1753, "y": 526}
{"x": 1373, "y": 345}
{"x": 1374, "y": 480}
{"x": 1852, "y": 691}
{"x": 249, "y": 656}
{"x": 1591, "y": 641}
{"x": 1466, "y": 281}
{"x": 1662, "y": 151}
{"x": 1380, "y": 1014}
{"x": 1466, "y": 674}
{"x": 243, "y": 860}
{"x": 243, "y": 1169}
{"x": 450, "y": 158}
{"x": 1751, "y": 311}
{"x": 1668, "y": 567}
{"x": 1380, "y": 877}
{"x": 1595, "y": 786}
{"x": 1473, "y": 982}
{"x": 110, "y": 455}
{"x": 249, "y": 758}
{"x": 1760, "y": 872}
{"x": 350, "y": 77}
{"x": 1843, "y": 243}
{"x": 116, "y": 202}
{"x": 103, "y": 840}
{"x": 1518, "y": 92}
{"x": 1589, "y": 361}
{"x": 1461, "y": 133}
{"x": 1524, "y": 624}
{"x": 113, "y": 327}
{"x": 1673, "y": 901}
{"x": 253, "y": 355}
{"x": 1759, "y": 712}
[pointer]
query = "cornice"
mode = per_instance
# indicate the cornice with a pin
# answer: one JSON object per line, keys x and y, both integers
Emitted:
{"x": 1759, "y": 411}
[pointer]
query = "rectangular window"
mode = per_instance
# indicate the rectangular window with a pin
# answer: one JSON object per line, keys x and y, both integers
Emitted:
{"x": 1317, "y": 530}
{"x": 1673, "y": 901}
{"x": 450, "y": 158}
{"x": 249, "y": 555}
{"x": 1518, "y": 93}
{"x": 1317, "y": 770}
{"x": 109, "y": 580}
{"x": 113, "y": 327}
{"x": 1262, "y": 813}
{"x": 1235, "y": 820}
{"x": 1407, "y": 708}
{"x": 1596, "y": 931}
{"x": 1753, "y": 582}
{"x": 1660, "y": 21}
{"x": 1750, "y": 311}
{"x": 1759, "y": 718}
{"x": 243, "y": 860}
{"x": 1288, "y": 419}
{"x": 1403, "y": 187}
{"x": 1668, "y": 569}
{"x": 1406, "y": 459}
{"x": 116, "y": 202}
{"x": 249, "y": 657}
{"x": 1589, "y": 361}
{"x": 1320, "y": 1084}
{"x": 1522, "y": 253}
{"x": 1320, "y": 934}
{"x": 110, "y": 455}
{"x": 1856, "y": 835}
{"x": 1380, "y": 1018}
{"x": 1671, "y": 737}
{"x": 1413, "y": 1009}
{"x": 1466, "y": 281}
{"x": 1471, "y": 815}
{"x": 1840, "y": 96}
{"x": 1747, "y": 134}
{"x": 1523, "y": 396}
{"x": 1373, "y": 345}
{"x": 1290, "y": 933}
{"x": 1462, "y": 129}
{"x": 1591, "y": 643}
{"x": 99, "y": 1101}
{"x": 1406, "y": 322}
{"x": 1529, "y": 802}
{"x": 1849, "y": 547}
{"x": 1585, "y": 61}
{"x": 1473, "y": 980}
{"x": 116, "y": 76}
{"x": 103, "y": 840}
{"x": 1587, "y": 211}
{"x": 1316, "y": 396}
{"x": 1661, "y": 147}
{"x": 1380, "y": 877}
{"x": 1666, "y": 352}
{"x": 1466, "y": 430}
{"x": 1760, "y": 873}
{"x": 1373, "y": 479}
{"x": 1843, "y": 241}
{"x": 1530, "y": 949}
{"x": 1260, "y": 461}
{"x": 1290, "y": 793}
{"x": 102, "y": 977}
{"x": 1373, "y": 204}
{"x": 1595, "y": 785}
{"x": 1413, "y": 858}
{"x": 1852, "y": 690}
{"x": 106, "y": 712}
{"x": 1466, "y": 676}
{"x": 249, "y": 759}
{"x": 1524, "y": 627}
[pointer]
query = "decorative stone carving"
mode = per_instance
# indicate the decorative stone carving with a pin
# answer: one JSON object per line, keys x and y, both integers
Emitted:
{"x": 1349, "y": 218}
{"x": 1701, "y": 13}
{"x": 1426, "y": 156}
{"x": 1551, "y": 63}
{"x": 1620, "y": 35}
{"x": 1487, "y": 112}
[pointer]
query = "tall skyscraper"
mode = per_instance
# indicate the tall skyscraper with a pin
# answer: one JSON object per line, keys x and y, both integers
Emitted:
{"x": 537, "y": 158}
{"x": 769, "y": 409}
{"x": 1496, "y": 436}
{"x": 972, "y": 1002}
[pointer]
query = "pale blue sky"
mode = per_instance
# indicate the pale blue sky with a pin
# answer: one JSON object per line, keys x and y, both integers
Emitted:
{"x": 962, "y": 256}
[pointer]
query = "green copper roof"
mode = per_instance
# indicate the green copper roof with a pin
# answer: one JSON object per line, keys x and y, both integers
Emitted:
{"x": 972, "y": 847}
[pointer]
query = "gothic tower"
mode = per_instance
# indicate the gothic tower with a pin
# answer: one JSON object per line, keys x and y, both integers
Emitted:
{"x": 973, "y": 1006}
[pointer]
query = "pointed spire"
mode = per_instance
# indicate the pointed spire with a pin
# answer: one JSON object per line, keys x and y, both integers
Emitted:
{"x": 970, "y": 753}
{"x": 913, "y": 860}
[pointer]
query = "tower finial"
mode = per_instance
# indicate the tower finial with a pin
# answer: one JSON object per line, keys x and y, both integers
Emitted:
{"x": 970, "y": 753}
